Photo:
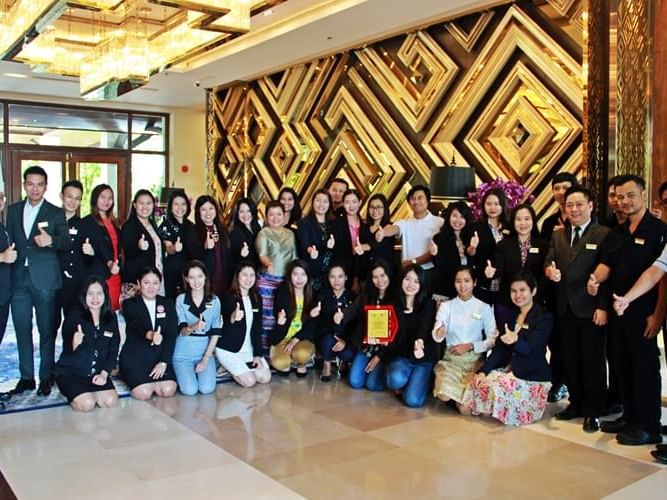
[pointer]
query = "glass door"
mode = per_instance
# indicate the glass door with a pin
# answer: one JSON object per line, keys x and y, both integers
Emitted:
{"x": 52, "y": 163}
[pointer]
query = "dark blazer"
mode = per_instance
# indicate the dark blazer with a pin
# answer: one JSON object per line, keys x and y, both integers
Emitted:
{"x": 485, "y": 250}
{"x": 233, "y": 334}
{"x": 105, "y": 341}
{"x": 100, "y": 240}
{"x": 197, "y": 251}
{"x": 170, "y": 231}
{"x": 413, "y": 326}
{"x": 43, "y": 265}
{"x": 383, "y": 250}
{"x": 507, "y": 261}
{"x": 330, "y": 304}
{"x": 282, "y": 301}
{"x": 5, "y": 269}
{"x": 239, "y": 235}
{"x": 576, "y": 265}
{"x": 354, "y": 325}
{"x": 309, "y": 233}
{"x": 527, "y": 356}
{"x": 343, "y": 250}
{"x": 447, "y": 262}
{"x": 134, "y": 259}
{"x": 139, "y": 322}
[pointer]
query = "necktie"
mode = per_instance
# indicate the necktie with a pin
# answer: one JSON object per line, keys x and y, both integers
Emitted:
{"x": 575, "y": 240}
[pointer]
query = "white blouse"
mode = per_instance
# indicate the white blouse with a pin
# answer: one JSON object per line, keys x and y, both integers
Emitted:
{"x": 464, "y": 322}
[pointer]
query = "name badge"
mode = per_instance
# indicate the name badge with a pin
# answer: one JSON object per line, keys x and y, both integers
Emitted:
{"x": 591, "y": 246}
{"x": 74, "y": 231}
{"x": 43, "y": 224}
{"x": 639, "y": 241}
{"x": 107, "y": 333}
{"x": 161, "y": 315}
{"x": 506, "y": 231}
{"x": 534, "y": 250}
{"x": 476, "y": 316}
{"x": 524, "y": 326}
{"x": 255, "y": 310}
{"x": 209, "y": 305}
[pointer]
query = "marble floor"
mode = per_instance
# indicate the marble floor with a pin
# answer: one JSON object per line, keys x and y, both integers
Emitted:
{"x": 301, "y": 438}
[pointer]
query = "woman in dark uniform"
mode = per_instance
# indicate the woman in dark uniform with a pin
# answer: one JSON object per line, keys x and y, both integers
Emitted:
{"x": 172, "y": 232}
{"x": 90, "y": 349}
{"x": 152, "y": 326}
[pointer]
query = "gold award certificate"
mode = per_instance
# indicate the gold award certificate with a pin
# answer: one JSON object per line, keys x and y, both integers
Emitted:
{"x": 378, "y": 324}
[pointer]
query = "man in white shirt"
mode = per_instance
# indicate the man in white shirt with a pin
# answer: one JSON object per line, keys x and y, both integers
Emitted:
{"x": 416, "y": 232}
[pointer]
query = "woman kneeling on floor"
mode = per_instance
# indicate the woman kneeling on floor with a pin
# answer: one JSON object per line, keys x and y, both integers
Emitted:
{"x": 296, "y": 319}
{"x": 470, "y": 329}
{"x": 145, "y": 360}
{"x": 239, "y": 348}
{"x": 514, "y": 382}
{"x": 90, "y": 349}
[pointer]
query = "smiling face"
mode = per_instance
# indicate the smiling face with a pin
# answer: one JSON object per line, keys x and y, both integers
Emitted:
{"x": 578, "y": 209}
{"x": 492, "y": 207}
{"x": 351, "y": 204}
{"x": 299, "y": 278}
{"x": 95, "y": 297}
{"x": 245, "y": 214}
{"x": 149, "y": 285}
{"x": 35, "y": 187}
{"x": 418, "y": 203}
{"x": 376, "y": 210}
{"x": 321, "y": 204}
{"x": 410, "y": 284}
{"x": 523, "y": 222}
{"x": 144, "y": 206}
{"x": 287, "y": 201}
{"x": 71, "y": 197}
{"x": 179, "y": 207}
{"x": 521, "y": 294}
{"x": 337, "y": 278}
{"x": 464, "y": 284}
{"x": 275, "y": 217}
{"x": 631, "y": 198}
{"x": 196, "y": 279}
{"x": 208, "y": 213}
{"x": 380, "y": 279}
{"x": 457, "y": 221}
{"x": 247, "y": 278}
{"x": 105, "y": 202}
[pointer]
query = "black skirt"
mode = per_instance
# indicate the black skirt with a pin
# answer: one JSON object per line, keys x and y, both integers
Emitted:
{"x": 135, "y": 369}
{"x": 72, "y": 386}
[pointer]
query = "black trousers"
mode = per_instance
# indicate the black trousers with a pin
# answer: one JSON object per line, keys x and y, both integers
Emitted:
{"x": 637, "y": 365}
{"x": 4, "y": 315}
{"x": 584, "y": 352}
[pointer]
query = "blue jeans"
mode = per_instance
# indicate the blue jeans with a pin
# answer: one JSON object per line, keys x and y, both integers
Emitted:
{"x": 25, "y": 297}
{"x": 358, "y": 378}
{"x": 187, "y": 353}
{"x": 325, "y": 345}
{"x": 415, "y": 379}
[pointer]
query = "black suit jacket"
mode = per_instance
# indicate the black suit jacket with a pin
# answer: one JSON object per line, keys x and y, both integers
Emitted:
{"x": 71, "y": 261}
{"x": 43, "y": 265}
{"x": 447, "y": 262}
{"x": 343, "y": 250}
{"x": 239, "y": 235}
{"x": 527, "y": 356}
{"x": 5, "y": 269}
{"x": 139, "y": 322}
{"x": 100, "y": 240}
{"x": 576, "y": 265}
{"x": 485, "y": 250}
{"x": 309, "y": 233}
{"x": 507, "y": 261}
{"x": 233, "y": 334}
{"x": 134, "y": 259}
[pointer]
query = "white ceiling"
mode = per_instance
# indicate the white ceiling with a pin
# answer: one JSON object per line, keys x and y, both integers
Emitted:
{"x": 297, "y": 31}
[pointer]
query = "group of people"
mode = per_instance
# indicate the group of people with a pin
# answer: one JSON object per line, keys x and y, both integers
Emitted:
{"x": 470, "y": 307}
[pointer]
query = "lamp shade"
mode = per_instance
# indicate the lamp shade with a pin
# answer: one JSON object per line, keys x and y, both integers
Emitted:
{"x": 452, "y": 182}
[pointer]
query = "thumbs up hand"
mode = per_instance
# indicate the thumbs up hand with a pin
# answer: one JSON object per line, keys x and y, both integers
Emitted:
{"x": 315, "y": 311}
{"x": 553, "y": 273}
{"x": 620, "y": 304}
{"x": 358, "y": 247}
{"x": 157, "y": 336}
{"x": 433, "y": 248}
{"x": 77, "y": 340}
{"x": 178, "y": 246}
{"x": 331, "y": 242}
{"x": 439, "y": 331}
{"x": 9, "y": 256}
{"x": 210, "y": 241}
{"x": 114, "y": 268}
{"x": 87, "y": 248}
{"x": 312, "y": 252}
{"x": 282, "y": 317}
{"x": 489, "y": 271}
{"x": 338, "y": 316}
{"x": 201, "y": 324}
{"x": 419, "y": 349}
{"x": 237, "y": 315}
{"x": 245, "y": 251}
{"x": 593, "y": 285}
{"x": 43, "y": 239}
{"x": 474, "y": 241}
{"x": 143, "y": 243}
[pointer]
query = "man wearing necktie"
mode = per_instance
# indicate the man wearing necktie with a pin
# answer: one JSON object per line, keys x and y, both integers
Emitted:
{"x": 574, "y": 253}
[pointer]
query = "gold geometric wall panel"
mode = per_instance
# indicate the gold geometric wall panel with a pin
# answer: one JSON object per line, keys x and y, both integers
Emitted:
{"x": 501, "y": 90}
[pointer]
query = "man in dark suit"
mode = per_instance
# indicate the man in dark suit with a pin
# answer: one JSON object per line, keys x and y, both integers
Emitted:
{"x": 38, "y": 230}
{"x": 574, "y": 252}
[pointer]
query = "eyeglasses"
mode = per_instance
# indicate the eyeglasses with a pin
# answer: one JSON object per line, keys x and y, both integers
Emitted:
{"x": 375, "y": 207}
